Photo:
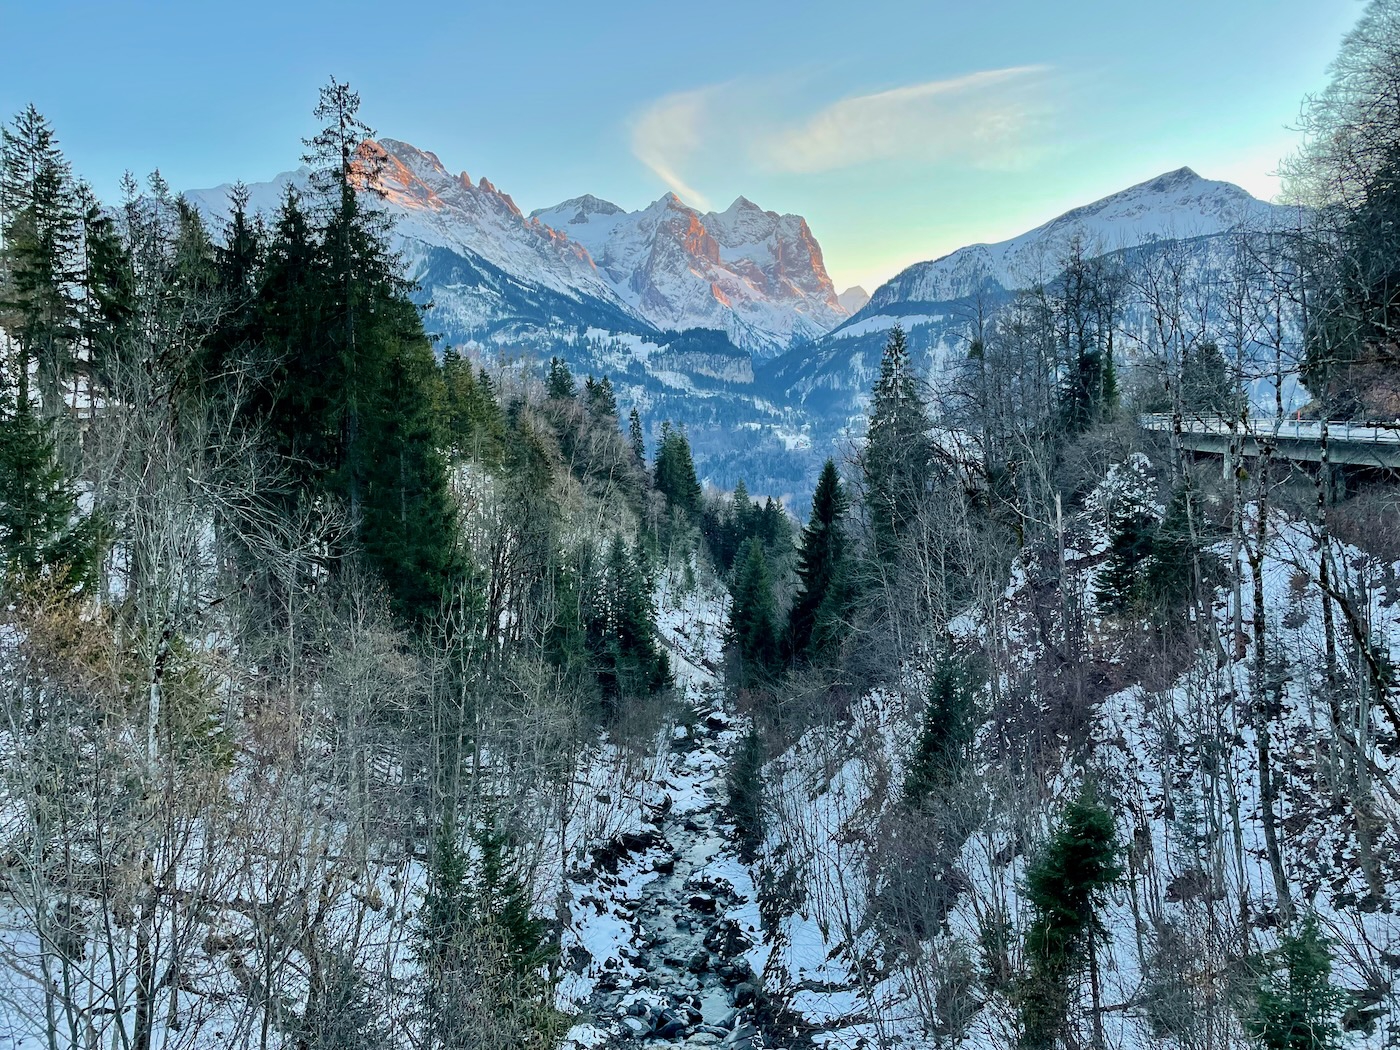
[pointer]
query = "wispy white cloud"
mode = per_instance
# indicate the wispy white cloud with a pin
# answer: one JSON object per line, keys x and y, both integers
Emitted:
{"x": 986, "y": 119}
{"x": 991, "y": 119}
{"x": 666, "y": 135}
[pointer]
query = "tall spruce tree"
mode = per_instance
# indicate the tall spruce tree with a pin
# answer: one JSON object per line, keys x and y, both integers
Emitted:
{"x": 753, "y": 613}
{"x": 675, "y": 471}
{"x": 633, "y": 663}
{"x": 41, "y": 530}
{"x": 1065, "y": 887}
{"x": 820, "y": 561}
{"x": 635, "y": 438}
{"x": 898, "y": 454}
{"x": 560, "y": 384}
{"x": 40, "y": 261}
{"x": 945, "y": 738}
{"x": 409, "y": 526}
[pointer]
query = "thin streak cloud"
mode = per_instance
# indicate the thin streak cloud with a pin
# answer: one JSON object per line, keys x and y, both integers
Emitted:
{"x": 990, "y": 119}
{"x": 668, "y": 133}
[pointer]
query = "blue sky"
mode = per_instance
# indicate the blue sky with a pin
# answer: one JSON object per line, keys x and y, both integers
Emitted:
{"x": 901, "y": 130}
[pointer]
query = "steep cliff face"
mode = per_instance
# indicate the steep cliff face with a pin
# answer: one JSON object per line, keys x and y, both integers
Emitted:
{"x": 755, "y": 274}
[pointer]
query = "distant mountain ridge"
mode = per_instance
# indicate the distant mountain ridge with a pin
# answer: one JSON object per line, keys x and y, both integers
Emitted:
{"x": 934, "y": 301}
{"x": 754, "y": 274}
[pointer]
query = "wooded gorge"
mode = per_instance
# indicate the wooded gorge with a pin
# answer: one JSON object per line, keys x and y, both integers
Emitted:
{"x": 361, "y": 691}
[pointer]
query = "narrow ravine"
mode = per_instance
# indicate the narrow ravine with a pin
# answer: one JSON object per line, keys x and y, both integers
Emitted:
{"x": 665, "y": 937}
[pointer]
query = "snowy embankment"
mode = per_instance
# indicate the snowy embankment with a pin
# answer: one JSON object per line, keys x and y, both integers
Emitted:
{"x": 1179, "y": 759}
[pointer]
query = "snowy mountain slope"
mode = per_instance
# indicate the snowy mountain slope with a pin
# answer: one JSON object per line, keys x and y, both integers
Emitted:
{"x": 434, "y": 209}
{"x": 755, "y": 274}
{"x": 936, "y": 301}
{"x": 1177, "y": 205}
{"x": 853, "y": 299}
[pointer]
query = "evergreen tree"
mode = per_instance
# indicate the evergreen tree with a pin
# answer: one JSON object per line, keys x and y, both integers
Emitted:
{"x": 40, "y": 263}
{"x": 298, "y": 400}
{"x": 819, "y": 560}
{"x": 897, "y": 455}
{"x": 359, "y": 275}
{"x": 635, "y": 437}
{"x": 1296, "y": 1005}
{"x": 633, "y": 663}
{"x": 752, "y": 614}
{"x": 602, "y": 403}
{"x": 107, "y": 308}
{"x": 675, "y": 471}
{"x": 480, "y": 948}
{"x": 1205, "y": 381}
{"x": 1169, "y": 570}
{"x": 409, "y": 527}
{"x": 41, "y": 531}
{"x": 945, "y": 739}
{"x": 560, "y": 386}
{"x": 744, "y": 790}
{"x": 501, "y": 896}
{"x": 1065, "y": 887}
{"x": 1122, "y": 583}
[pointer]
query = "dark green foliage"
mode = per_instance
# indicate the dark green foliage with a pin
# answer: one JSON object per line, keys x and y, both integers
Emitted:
{"x": 600, "y": 399}
{"x": 1122, "y": 583}
{"x": 1205, "y": 381}
{"x": 1350, "y": 363}
{"x": 674, "y": 471}
{"x": 820, "y": 568}
{"x": 480, "y": 949}
{"x": 727, "y": 524}
{"x": 1065, "y": 887}
{"x": 108, "y": 304}
{"x": 1083, "y": 305}
{"x": 1109, "y": 384}
{"x": 409, "y": 525}
{"x": 744, "y": 803}
{"x": 347, "y": 395}
{"x": 501, "y": 896}
{"x": 620, "y": 628}
{"x": 945, "y": 739}
{"x": 560, "y": 385}
{"x": 1170, "y": 569}
{"x": 752, "y": 615}
{"x": 40, "y": 227}
{"x": 898, "y": 453}
{"x": 41, "y": 531}
{"x": 635, "y": 438}
{"x": 1296, "y": 1006}
{"x": 475, "y": 425}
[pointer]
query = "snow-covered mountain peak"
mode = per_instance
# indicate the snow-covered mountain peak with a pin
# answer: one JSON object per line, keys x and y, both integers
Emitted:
{"x": 853, "y": 298}
{"x": 582, "y": 208}
{"x": 743, "y": 204}
{"x": 1172, "y": 205}
{"x": 756, "y": 274}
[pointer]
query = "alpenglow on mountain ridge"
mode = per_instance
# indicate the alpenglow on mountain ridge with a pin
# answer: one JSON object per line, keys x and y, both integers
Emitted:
{"x": 753, "y": 274}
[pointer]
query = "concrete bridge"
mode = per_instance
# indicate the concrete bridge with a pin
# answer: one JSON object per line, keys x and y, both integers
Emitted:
{"x": 1365, "y": 444}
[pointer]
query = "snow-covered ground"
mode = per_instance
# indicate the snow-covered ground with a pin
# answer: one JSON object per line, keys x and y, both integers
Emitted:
{"x": 1179, "y": 761}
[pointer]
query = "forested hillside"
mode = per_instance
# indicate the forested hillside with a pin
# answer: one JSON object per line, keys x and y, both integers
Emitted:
{"x": 361, "y": 691}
